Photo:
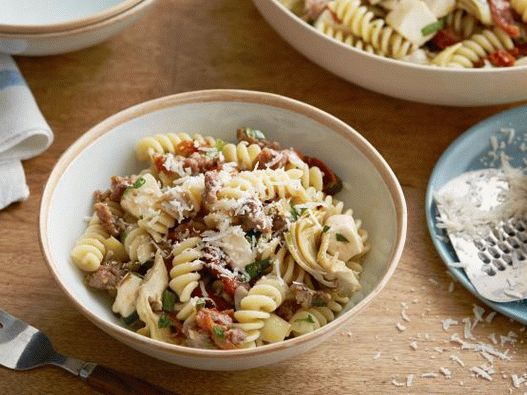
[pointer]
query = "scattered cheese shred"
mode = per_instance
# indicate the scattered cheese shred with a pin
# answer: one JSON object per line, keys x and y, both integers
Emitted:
{"x": 429, "y": 375}
{"x": 400, "y": 327}
{"x": 409, "y": 380}
{"x": 457, "y": 360}
{"x": 448, "y": 323}
{"x": 445, "y": 372}
{"x": 517, "y": 381}
{"x": 481, "y": 373}
{"x": 397, "y": 383}
{"x": 490, "y": 317}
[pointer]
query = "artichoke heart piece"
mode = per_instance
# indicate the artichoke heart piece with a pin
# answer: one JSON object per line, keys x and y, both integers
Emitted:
{"x": 139, "y": 199}
{"x": 126, "y": 298}
{"x": 150, "y": 294}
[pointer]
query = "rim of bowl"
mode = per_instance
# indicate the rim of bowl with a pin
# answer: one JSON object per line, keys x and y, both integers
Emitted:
{"x": 106, "y": 13}
{"x": 225, "y": 95}
{"x": 399, "y": 63}
{"x": 95, "y": 26}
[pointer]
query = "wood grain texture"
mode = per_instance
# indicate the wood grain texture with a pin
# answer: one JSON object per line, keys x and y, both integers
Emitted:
{"x": 181, "y": 46}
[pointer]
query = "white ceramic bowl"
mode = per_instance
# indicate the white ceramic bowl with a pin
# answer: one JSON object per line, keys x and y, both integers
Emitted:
{"x": 426, "y": 84}
{"x": 108, "y": 149}
{"x": 49, "y": 16}
{"x": 40, "y": 44}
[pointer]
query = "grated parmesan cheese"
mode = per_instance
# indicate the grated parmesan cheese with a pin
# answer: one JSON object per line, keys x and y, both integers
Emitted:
{"x": 517, "y": 381}
{"x": 448, "y": 323}
{"x": 397, "y": 383}
{"x": 446, "y": 372}
{"x": 457, "y": 360}
{"x": 400, "y": 327}
{"x": 479, "y": 372}
{"x": 409, "y": 380}
{"x": 429, "y": 375}
{"x": 490, "y": 317}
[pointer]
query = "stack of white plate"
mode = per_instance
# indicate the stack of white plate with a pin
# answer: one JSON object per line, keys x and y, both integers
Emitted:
{"x": 49, "y": 27}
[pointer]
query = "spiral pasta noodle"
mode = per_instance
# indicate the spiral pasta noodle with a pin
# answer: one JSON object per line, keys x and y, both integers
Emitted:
{"x": 184, "y": 276}
{"x": 138, "y": 245}
{"x": 267, "y": 184}
{"x": 307, "y": 320}
{"x": 520, "y": 6}
{"x": 363, "y": 23}
{"x": 263, "y": 298}
{"x": 90, "y": 249}
{"x": 474, "y": 49}
{"x": 462, "y": 22}
{"x": 325, "y": 25}
{"x": 157, "y": 225}
{"x": 167, "y": 143}
{"x": 243, "y": 154}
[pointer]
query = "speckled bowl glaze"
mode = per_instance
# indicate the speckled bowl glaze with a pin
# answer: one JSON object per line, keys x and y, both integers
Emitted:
{"x": 426, "y": 84}
{"x": 108, "y": 149}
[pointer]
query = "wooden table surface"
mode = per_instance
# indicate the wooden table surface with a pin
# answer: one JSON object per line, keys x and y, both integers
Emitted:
{"x": 179, "y": 47}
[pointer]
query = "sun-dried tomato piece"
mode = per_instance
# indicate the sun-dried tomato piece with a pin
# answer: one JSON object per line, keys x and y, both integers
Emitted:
{"x": 502, "y": 17}
{"x": 445, "y": 38}
{"x": 501, "y": 58}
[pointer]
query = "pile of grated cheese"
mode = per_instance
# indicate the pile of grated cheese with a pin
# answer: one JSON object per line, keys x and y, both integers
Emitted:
{"x": 462, "y": 216}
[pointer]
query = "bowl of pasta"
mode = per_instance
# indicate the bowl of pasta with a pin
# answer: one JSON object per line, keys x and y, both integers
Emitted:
{"x": 222, "y": 229}
{"x": 447, "y": 52}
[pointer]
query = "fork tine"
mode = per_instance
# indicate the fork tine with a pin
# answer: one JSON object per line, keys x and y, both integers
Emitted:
{"x": 6, "y": 319}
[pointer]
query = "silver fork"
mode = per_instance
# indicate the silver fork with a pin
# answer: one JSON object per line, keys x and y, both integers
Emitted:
{"x": 24, "y": 347}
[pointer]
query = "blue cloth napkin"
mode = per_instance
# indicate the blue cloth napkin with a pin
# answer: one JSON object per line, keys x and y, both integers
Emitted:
{"x": 24, "y": 133}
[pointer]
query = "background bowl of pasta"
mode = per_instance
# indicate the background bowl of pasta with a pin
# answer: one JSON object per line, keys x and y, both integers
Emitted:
{"x": 353, "y": 40}
{"x": 69, "y": 230}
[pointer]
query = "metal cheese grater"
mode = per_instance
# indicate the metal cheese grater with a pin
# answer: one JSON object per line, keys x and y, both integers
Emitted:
{"x": 496, "y": 262}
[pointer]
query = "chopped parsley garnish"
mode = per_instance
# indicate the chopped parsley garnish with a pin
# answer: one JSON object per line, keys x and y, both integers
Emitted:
{"x": 123, "y": 237}
{"x": 131, "y": 318}
{"x": 432, "y": 28}
{"x": 297, "y": 213}
{"x": 169, "y": 300}
{"x": 257, "y": 268}
{"x": 252, "y": 233}
{"x": 200, "y": 303}
{"x": 318, "y": 302}
{"x": 218, "y": 332}
{"x": 255, "y": 134}
{"x": 164, "y": 321}
{"x": 219, "y": 145}
{"x": 137, "y": 184}
{"x": 341, "y": 238}
{"x": 325, "y": 229}
{"x": 309, "y": 319}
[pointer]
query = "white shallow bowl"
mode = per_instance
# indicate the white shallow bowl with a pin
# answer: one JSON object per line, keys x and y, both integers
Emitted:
{"x": 41, "y": 44}
{"x": 426, "y": 84}
{"x": 108, "y": 149}
{"x": 45, "y": 16}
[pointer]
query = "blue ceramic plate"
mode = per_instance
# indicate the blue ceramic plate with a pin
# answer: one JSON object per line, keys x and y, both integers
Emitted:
{"x": 471, "y": 152}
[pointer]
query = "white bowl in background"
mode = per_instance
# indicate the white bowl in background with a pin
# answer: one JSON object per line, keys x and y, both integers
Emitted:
{"x": 41, "y": 44}
{"x": 51, "y": 16}
{"x": 108, "y": 149}
{"x": 426, "y": 84}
